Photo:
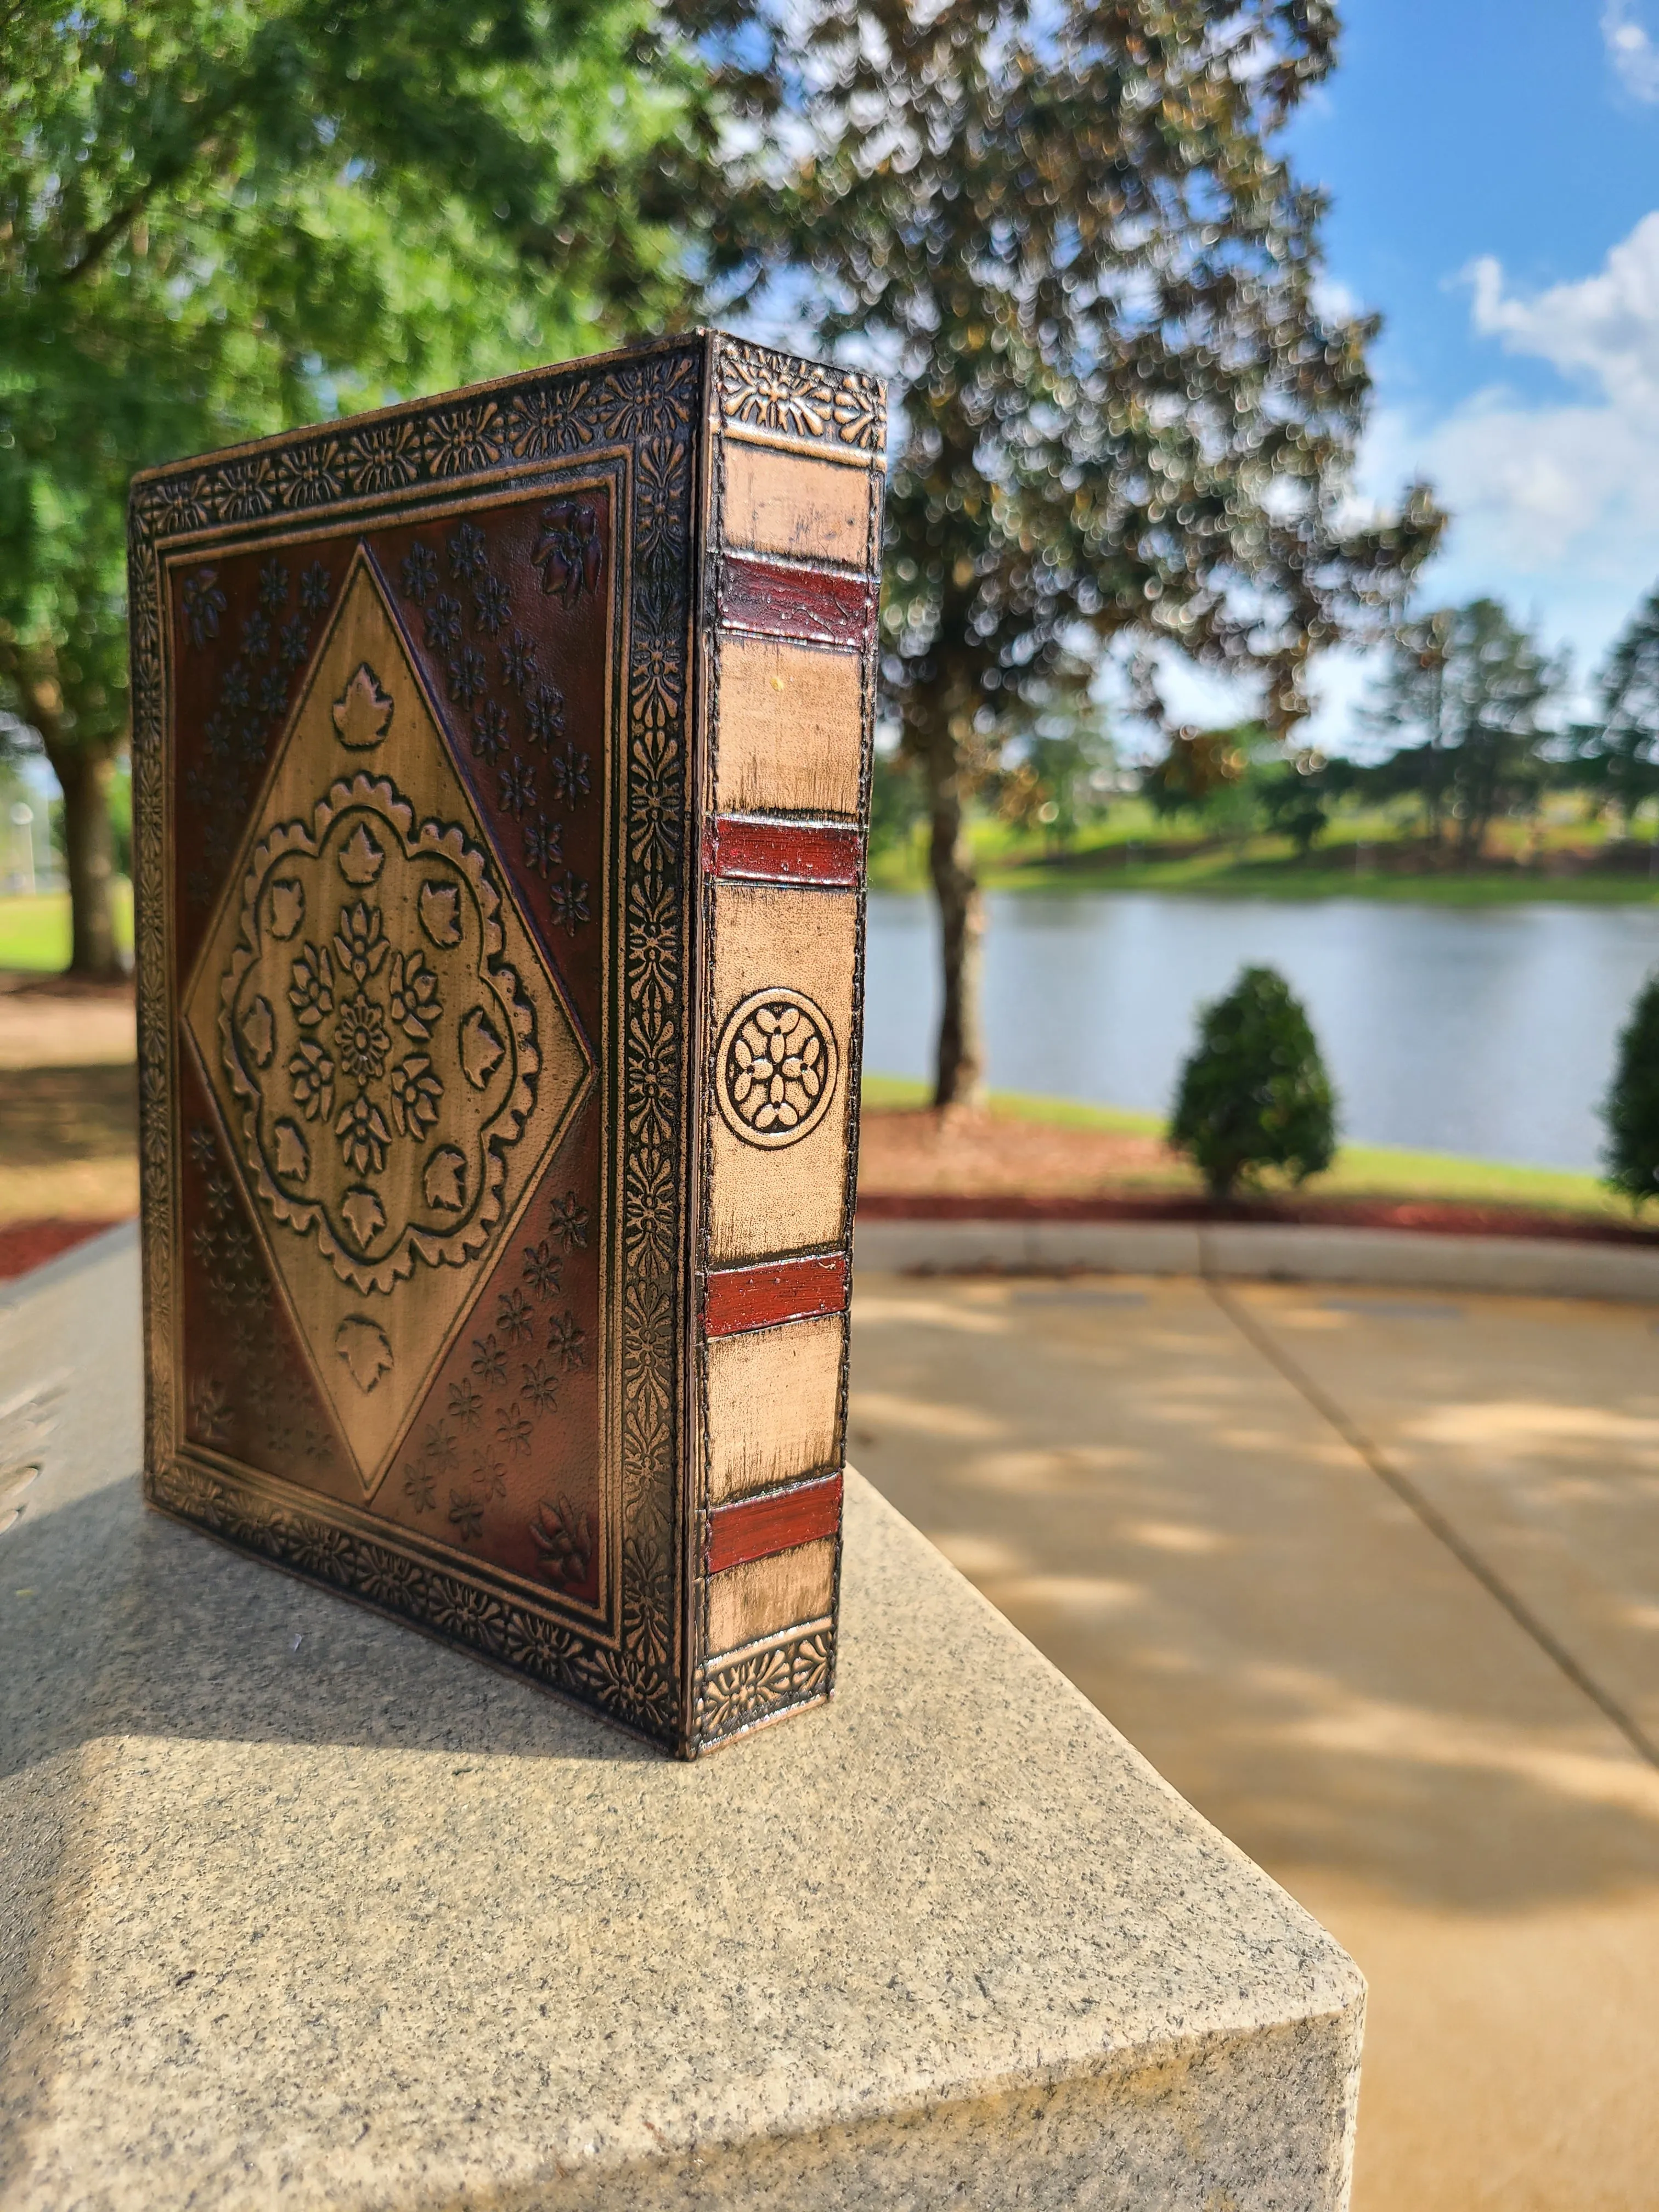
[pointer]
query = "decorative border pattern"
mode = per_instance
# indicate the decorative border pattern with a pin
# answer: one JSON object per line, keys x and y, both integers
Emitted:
{"x": 760, "y": 390}
{"x": 741, "y": 1689}
{"x": 388, "y": 1577}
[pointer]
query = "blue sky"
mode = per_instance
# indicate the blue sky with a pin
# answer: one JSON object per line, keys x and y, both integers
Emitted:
{"x": 1493, "y": 168}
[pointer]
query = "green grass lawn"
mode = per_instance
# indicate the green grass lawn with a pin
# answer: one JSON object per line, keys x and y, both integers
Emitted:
{"x": 35, "y": 932}
{"x": 1365, "y": 855}
{"x": 1332, "y": 872}
{"x": 1360, "y": 1170}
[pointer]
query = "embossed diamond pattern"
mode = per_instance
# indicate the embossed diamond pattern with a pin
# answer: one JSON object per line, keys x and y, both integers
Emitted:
{"x": 392, "y": 1056}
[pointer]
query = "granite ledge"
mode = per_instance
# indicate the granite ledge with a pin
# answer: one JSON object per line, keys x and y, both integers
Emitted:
{"x": 303, "y": 1906}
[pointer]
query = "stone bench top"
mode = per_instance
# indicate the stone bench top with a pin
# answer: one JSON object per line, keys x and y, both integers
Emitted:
{"x": 300, "y": 1907}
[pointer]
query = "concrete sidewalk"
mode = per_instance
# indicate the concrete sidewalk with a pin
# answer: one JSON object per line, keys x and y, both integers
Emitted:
{"x": 1373, "y": 1577}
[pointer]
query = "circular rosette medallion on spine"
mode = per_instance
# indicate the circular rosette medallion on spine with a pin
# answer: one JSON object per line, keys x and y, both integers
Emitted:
{"x": 775, "y": 1067}
{"x": 384, "y": 1052}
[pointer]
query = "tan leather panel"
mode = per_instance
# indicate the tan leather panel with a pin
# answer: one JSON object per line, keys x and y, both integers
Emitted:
{"x": 790, "y": 503}
{"x": 773, "y": 1399}
{"x": 789, "y": 1199}
{"x": 789, "y": 731}
{"x": 763, "y": 1595}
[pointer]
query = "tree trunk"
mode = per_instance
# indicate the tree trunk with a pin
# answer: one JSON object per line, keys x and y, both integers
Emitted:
{"x": 85, "y": 772}
{"x": 960, "y": 1077}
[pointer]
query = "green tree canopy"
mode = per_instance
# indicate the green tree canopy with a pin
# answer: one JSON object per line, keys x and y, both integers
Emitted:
{"x": 1070, "y": 231}
{"x": 1060, "y": 772}
{"x": 218, "y": 218}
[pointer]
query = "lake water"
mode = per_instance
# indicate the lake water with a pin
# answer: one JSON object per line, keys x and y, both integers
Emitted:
{"x": 1489, "y": 1032}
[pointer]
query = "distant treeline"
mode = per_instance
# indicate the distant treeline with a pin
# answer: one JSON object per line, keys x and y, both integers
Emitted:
{"x": 1466, "y": 725}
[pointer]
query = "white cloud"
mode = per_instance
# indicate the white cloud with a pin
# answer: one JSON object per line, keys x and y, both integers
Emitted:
{"x": 1533, "y": 488}
{"x": 1554, "y": 499}
{"x": 1630, "y": 49}
{"x": 1604, "y": 328}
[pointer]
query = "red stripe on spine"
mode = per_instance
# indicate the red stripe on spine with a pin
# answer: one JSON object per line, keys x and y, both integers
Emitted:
{"x": 782, "y": 601}
{"x": 739, "y": 1298}
{"x": 775, "y": 852}
{"x": 756, "y": 1527}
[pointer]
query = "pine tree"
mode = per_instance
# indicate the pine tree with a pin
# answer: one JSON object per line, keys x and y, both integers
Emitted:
{"x": 1254, "y": 1094}
{"x": 1473, "y": 686}
{"x": 1618, "y": 756}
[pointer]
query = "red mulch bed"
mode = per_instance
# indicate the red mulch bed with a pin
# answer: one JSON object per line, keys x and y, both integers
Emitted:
{"x": 26, "y": 1244}
{"x": 918, "y": 1165}
{"x": 1432, "y": 1216}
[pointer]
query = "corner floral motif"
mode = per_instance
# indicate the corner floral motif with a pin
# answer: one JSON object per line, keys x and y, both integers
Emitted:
{"x": 801, "y": 400}
{"x": 204, "y": 606}
{"x": 753, "y": 1685}
{"x": 569, "y": 550}
{"x": 565, "y": 1540}
{"x": 210, "y": 1410}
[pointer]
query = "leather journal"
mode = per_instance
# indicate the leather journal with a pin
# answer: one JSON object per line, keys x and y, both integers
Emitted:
{"x": 502, "y": 766}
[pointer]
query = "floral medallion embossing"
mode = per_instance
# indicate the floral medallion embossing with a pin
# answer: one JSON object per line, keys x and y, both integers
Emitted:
{"x": 776, "y": 1067}
{"x": 376, "y": 1051}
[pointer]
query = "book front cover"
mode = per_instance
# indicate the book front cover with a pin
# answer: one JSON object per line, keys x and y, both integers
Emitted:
{"x": 390, "y": 856}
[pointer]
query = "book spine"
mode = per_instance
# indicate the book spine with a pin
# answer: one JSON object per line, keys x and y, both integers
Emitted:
{"x": 788, "y": 692}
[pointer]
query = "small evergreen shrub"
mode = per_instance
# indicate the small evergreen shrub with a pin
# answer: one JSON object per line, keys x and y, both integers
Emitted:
{"x": 1630, "y": 1109}
{"x": 1254, "y": 1094}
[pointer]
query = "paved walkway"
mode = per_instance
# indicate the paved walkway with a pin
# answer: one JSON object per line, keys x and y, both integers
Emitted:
{"x": 1373, "y": 1579}
{"x": 69, "y": 1102}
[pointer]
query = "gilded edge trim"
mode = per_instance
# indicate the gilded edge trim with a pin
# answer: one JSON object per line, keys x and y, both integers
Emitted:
{"x": 651, "y": 403}
{"x": 779, "y": 441}
{"x": 771, "y": 399}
